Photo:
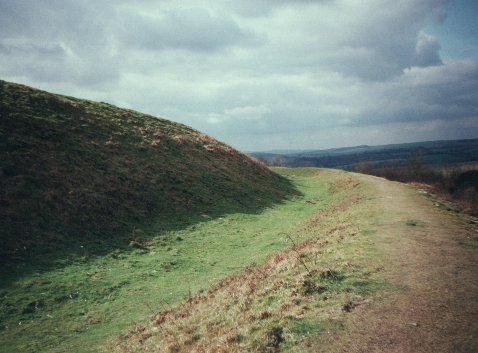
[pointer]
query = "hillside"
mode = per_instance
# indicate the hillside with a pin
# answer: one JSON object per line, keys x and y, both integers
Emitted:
{"x": 87, "y": 299}
{"x": 74, "y": 171}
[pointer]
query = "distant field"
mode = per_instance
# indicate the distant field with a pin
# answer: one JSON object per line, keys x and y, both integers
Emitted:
{"x": 430, "y": 153}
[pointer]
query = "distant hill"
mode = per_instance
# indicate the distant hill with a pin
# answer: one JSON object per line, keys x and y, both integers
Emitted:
{"x": 431, "y": 152}
{"x": 73, "y": 171}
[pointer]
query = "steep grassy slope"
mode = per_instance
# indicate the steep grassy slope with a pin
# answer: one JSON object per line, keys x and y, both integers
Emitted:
{"x": 73, "y": 170}
{"x": 76, "y": 307}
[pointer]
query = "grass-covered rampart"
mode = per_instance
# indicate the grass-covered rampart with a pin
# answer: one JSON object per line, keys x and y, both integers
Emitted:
{"x": 77, "y": 306}
{"x": 77, "y": 173}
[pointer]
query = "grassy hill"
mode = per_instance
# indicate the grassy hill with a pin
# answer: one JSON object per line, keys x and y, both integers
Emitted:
{"x": 108, "y": 215}
{"x": 75, "y": 171}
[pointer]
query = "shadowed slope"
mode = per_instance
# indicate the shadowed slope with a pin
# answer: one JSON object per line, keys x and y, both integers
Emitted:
{"x": 73, "y": 170}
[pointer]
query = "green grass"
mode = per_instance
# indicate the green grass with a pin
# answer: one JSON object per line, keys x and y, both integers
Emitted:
{"x": 91, "y": 298}
{"x": 290, "y": 299}
{"x": 303, "y": 327}
{"x": 469, "y": 244}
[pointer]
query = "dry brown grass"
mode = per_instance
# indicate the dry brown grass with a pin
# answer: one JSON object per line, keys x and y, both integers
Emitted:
{"x": 260, "y": 308}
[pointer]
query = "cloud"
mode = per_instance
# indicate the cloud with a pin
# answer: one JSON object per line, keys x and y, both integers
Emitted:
{"x": 371, "y": 40}
{"x": 284, "y": 74}
{"x": 189, "y": 29}
{"x": 446, "y": 92}
{"x": 259, "y": 8}
{"x": 427, "y": 51}
{"x": 56, "y": 41}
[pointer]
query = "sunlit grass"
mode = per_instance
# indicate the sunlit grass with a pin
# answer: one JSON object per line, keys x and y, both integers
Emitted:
{"x": 288, "y": 300}
{"x": 76, "y": 306}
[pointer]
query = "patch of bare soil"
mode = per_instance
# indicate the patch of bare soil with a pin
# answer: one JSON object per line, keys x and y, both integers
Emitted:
{"x": 432, "y": 257}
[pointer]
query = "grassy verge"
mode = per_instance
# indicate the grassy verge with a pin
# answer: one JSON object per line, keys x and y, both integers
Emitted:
{"x": 89, "y": 298}
{"x": 290, "y": 300}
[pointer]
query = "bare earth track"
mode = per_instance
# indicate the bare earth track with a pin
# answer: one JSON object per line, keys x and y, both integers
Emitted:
{"x": 434, "y": 260}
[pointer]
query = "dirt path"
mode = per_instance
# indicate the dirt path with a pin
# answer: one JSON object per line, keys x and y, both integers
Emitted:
{"x": 430, "y": 255}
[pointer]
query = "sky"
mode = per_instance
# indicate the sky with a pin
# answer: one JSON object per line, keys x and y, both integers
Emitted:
{"x": 260, "y": 74}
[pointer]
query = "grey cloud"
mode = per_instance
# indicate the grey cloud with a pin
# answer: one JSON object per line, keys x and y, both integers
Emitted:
{"x": 92, "y": 43}
{"x": 57, "y": 41}
{"x": 264, "y": 7}
{"x": 447, "y": 92}
{"x": 370, "y": 40}
{"x": 427, "y": 51}
{"x": 421, "y": 95}
{"x": 439, "y": 14}
{"x": 289, "y": 73}
{"x": 190, "y": 29}
{"x": 61, "y": 68}
{"x": 81, "y": 21}
{"x": 20, "y": 48}
{"x": 388, "y": 34}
